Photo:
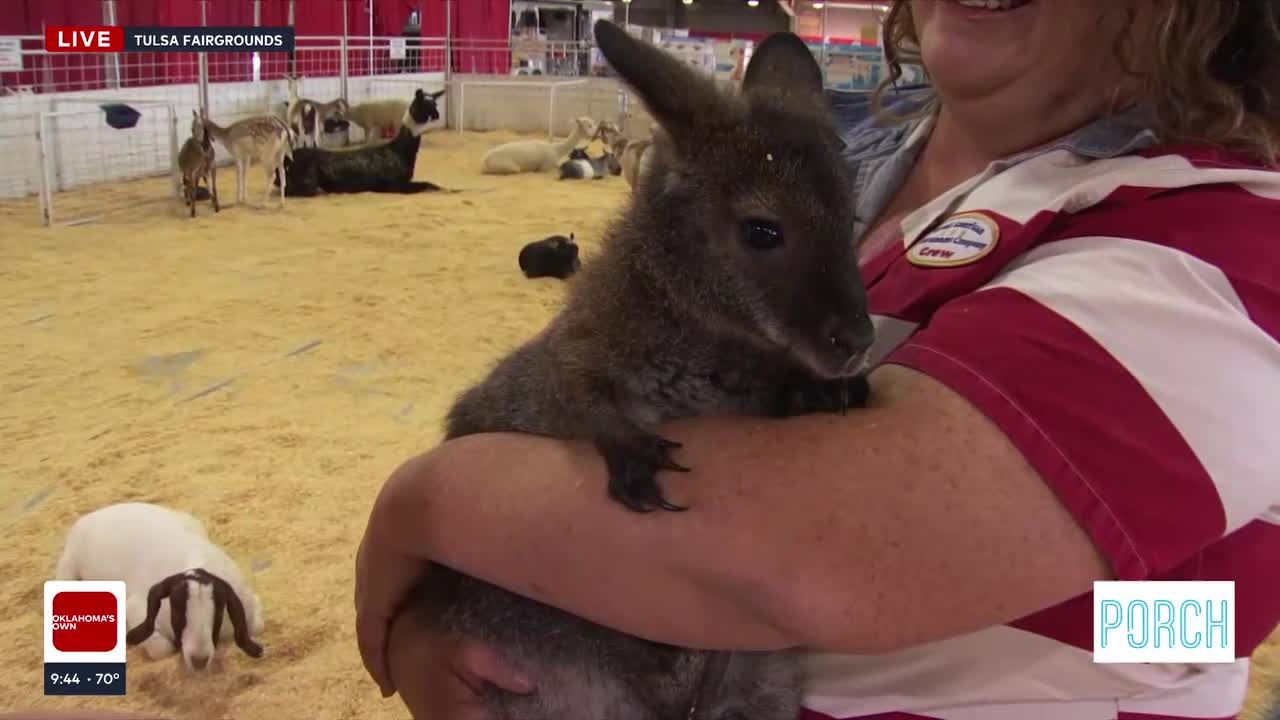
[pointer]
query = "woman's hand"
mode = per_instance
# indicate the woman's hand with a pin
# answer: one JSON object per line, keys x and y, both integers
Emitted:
{"x": 400, "y": 650}
{"x": 440, "y": 677}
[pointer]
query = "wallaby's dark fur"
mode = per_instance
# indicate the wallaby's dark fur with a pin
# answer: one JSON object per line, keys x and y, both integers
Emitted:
{"x": 386, "y": 168}
{"x": 727, "y": 285}
{"x": 683, "y": 312}
{"x": 555, "y": 256}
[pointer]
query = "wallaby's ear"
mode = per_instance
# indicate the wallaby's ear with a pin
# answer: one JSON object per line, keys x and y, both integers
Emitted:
{"x": 436, "y": 95}
{"x": 783, "y": 63}
{"x": 675, "y": 94}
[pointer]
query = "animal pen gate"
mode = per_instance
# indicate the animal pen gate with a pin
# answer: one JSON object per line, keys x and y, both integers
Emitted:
{"x": 533, "y": 105}
{"x": 58, "y": 145}
{"x": 81, "y": 119}
{"x": 79, "y": 151}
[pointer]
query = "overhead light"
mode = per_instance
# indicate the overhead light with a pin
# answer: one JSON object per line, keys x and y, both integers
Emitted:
{"x": 816, "y": 6}
{"x": 753, "y": 3}
{"x": 688, "y": 2}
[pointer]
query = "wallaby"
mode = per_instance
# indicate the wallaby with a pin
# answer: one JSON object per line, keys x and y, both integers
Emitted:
{"x": 727, "y": 285}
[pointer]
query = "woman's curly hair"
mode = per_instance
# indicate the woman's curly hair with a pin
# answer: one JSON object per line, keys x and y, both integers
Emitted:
{"x": 1212, "y": 74}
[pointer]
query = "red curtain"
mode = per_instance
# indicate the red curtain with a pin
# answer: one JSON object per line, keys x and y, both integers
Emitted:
{"x": 480, "y": 29}
{"x": 486, "y": 21}
{"x": 67, "y": 72}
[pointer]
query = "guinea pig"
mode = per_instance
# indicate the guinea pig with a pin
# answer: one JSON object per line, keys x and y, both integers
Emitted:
{"x": 555, "y": 256}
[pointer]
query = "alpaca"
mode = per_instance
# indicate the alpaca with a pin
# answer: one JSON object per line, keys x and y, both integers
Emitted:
{"x": 522, "y": 156}
{"x": 386, "y": 168}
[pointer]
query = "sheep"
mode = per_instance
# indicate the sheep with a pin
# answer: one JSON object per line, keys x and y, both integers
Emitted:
{"x": 535, "y": 155}
{"x": 555, "y": 256}
{"x": 376, "y": 117}
{"x": 196, "y": 159}
{"x": 580, "y": 166}
{"x": 308, "y": 118}
{"x": 384, "y": 168}
{"x": 166, "y": 557}
{"x": 265, "y": 138}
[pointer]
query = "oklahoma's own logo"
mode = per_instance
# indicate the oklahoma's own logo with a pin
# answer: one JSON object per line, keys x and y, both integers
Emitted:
{"x": 85, "y": 621}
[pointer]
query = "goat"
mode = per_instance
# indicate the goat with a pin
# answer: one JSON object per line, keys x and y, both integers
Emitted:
{"x": 580, "y": 166}
{"x": 386, "y": 168}
{"x": 265, "y": 138}
{"x": 196, "y": 159}
{"x": 633, "y": 155}
{"x": 309, "y": 118}
{"x": 166, "y": 556}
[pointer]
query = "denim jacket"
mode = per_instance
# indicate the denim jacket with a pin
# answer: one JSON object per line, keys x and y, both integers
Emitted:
{"x": 880, "y": 156}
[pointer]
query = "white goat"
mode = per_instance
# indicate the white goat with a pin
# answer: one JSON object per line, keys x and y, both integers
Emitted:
{"x": 165, "y": 558}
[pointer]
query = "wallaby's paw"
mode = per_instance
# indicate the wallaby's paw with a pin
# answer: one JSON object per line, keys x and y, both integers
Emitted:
{"x": 812, "y": 395}
{"x": 633, "y": 464}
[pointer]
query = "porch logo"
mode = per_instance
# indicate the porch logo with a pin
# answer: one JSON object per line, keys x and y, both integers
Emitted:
{"x": 1164, "y": 622}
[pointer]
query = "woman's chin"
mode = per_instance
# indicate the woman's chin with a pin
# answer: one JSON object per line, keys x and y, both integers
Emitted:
{"x": 958, "y": 69}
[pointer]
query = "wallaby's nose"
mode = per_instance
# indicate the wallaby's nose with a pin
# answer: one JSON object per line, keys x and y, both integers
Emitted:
{"x": 199, "y": 662}
{"x": 849, "y": 337}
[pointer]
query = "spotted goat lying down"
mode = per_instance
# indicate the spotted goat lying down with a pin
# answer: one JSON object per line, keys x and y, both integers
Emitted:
{"x": 184, "y": 594}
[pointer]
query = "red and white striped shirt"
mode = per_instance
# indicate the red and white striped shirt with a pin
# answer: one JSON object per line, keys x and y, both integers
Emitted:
{"x": 1119, "y": 319}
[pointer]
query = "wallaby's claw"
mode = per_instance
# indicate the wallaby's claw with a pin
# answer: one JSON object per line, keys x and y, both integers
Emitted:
{"x": 633, "y": 465}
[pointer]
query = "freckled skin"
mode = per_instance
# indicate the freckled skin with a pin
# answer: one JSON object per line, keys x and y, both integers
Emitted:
{"x": 677, "y": 315}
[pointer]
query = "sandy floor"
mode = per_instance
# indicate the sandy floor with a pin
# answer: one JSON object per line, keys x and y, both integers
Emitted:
{"x": 265, "y": 370}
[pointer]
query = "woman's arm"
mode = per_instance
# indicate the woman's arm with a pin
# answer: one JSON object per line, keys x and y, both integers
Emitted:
{"x": 910, "y": 521}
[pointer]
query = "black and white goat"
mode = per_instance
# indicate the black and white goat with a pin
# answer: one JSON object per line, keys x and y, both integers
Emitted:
{"x": 167, "y": 562}
{"x": 581, "y": 166}
{"x": 309, "y": 118}
{"x": 386, "y": 168}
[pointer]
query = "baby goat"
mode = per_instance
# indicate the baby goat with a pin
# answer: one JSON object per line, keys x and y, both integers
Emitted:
{"x": 196, "y": 161}
{"x": 165, "y": 558}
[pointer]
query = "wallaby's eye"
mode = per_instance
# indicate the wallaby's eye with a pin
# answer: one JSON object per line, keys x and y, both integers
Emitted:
{"x": 761, "y": 234}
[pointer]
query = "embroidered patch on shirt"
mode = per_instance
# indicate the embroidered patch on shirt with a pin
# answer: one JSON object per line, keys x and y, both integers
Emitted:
{"x": 960, "y": 239}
